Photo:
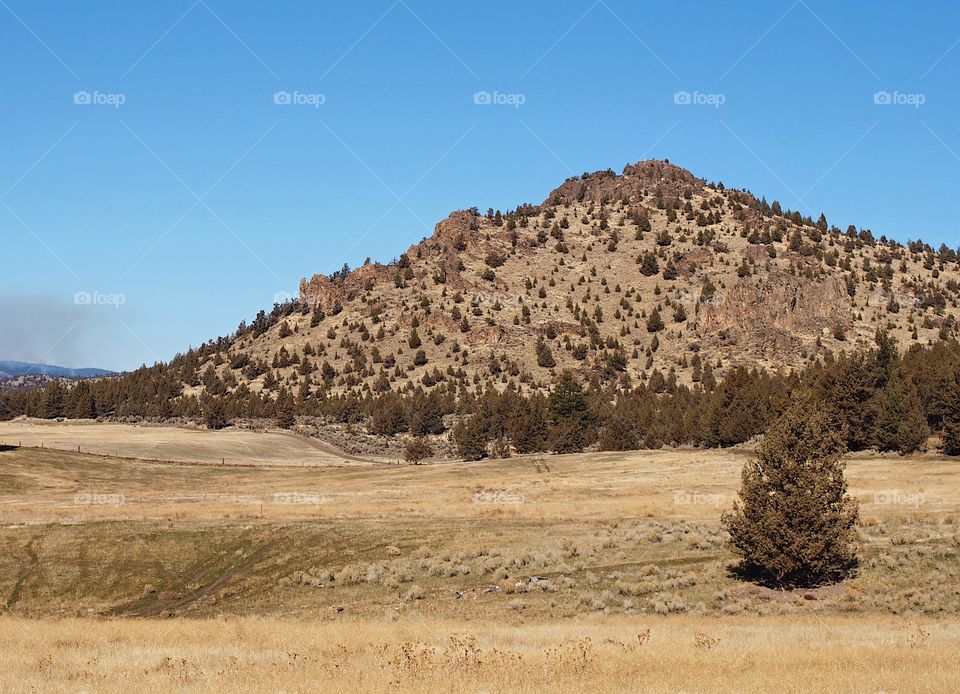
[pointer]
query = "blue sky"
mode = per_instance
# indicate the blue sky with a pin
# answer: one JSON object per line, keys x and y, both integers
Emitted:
{"x": 153, "y": 193}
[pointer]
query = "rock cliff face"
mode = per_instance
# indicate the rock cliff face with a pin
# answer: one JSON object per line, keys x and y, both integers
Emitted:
{"x": 614, "y": 277}
{"x": 775, "y": 315}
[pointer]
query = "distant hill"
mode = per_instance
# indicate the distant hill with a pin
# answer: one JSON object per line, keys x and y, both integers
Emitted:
{"x": 651, "y": 277}
{"x": 14, "y": 369}
{"x": 616, "y": 277}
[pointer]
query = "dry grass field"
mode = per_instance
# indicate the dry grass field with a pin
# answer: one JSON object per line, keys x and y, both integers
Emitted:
{"x": 613, "y": 654}
{"x": 177, "y": 444}
{"x": 531, "y": 574}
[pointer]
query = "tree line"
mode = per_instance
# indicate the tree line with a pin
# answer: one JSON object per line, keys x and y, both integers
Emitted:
{"x": 877, "y": 398}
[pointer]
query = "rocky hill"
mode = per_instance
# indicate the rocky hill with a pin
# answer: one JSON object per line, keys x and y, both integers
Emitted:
{"x": 650, "y": 274}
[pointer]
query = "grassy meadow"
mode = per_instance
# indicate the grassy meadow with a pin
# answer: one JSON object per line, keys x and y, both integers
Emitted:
{"x": 606, "y": 570}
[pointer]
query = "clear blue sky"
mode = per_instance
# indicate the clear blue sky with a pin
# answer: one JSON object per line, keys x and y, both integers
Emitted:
{"x": 197, "y": 199}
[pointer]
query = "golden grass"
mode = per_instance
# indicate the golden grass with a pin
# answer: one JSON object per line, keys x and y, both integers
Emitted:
{"x": 527, "y": 574}
{"x": 611, "y": 655}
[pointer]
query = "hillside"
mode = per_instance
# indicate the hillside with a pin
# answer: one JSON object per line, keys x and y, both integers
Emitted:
{"x": 618, "y": 277}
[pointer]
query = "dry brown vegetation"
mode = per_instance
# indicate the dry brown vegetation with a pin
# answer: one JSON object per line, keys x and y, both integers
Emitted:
{"x": 653, "y": 654}
{"x": 533, "y": 573}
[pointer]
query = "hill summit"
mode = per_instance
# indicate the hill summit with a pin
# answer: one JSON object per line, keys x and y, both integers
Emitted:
{"x": 650, "y": 274}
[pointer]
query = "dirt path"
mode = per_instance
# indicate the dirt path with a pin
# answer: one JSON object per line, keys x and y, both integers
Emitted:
{"x": 329, "y": 448}
{"x": 158, "y": 607}
{"x": 25, "y": 572}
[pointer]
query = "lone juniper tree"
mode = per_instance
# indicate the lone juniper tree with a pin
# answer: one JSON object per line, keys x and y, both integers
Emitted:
{"x": 795, "y": 525}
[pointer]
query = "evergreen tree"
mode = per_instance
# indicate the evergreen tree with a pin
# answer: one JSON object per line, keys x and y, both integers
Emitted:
{"x": 950, "y": 416}
{"x": 654, "y": 322}
{"x": 80, "y": 402}
{"x": 317, "y": 316}
{"x": 649, "y": 265}
{"x": 214, "y": 413}
{"x": 527, "y": 427}
{"x": 53, "y": 401}
{"x": 900, "y": 424}
{"x": 544, "y": 355}
{"x": 414, "y": 339}
{"x": 569, "y": 416}
{"x": 470, "y": 437}
{"x": 426, "y": 416}
{"x": 389, "y": 416}
{"x": 283, "y": 410}
{"x": 417, "y": 449}
{"x": 795, "y": 525}
{"x": 619, "y": 434}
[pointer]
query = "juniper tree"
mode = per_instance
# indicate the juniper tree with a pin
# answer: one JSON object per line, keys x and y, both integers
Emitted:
{"x": 949, "y": 406}
{"x": 80, "y": 403}
{"x": 470, "y": 437}
{"x": 654, "y": 322}
{"x": 53, "y": 401}
{"x": 794, "y": 524}
{"x": 417, "y": 449}
{"x": 214, "y": 413}
{"x": 620, "y": 434}
{"x": 284, "y": 410}
{"x": 544, "y": 355}
{"x": 527, "y": 427}
{"x": 568, "y": 412}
